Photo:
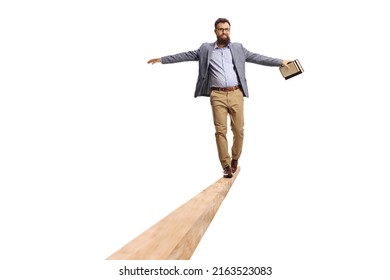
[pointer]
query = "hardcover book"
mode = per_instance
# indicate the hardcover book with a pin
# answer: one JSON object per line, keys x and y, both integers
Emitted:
{"x": 295, "y": 68}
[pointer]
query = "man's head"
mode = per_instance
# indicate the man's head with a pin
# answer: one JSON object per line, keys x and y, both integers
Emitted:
{"x": 222, "y": 31}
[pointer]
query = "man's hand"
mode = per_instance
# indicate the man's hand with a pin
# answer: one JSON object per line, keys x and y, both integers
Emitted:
{"x": 154, "y": 60}
{"x": 285, "y": 63}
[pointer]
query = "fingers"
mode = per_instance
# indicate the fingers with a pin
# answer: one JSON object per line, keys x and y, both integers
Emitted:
{"x": 285, "y": 63}
{"x": 154, "y": 60}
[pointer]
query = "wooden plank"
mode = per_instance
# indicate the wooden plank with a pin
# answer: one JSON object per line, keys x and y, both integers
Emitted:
{"x": 176, "y": 236}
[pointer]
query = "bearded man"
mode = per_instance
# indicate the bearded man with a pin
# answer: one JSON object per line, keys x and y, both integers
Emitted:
{"x": 222, "y": 78}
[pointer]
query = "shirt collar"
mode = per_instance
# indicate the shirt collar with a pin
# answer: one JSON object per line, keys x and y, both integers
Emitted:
{"x": 216, "y": 46}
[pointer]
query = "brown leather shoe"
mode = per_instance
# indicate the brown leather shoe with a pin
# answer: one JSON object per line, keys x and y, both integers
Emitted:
{"x": 227, "y": 172}
{"x": 234, "y": 165}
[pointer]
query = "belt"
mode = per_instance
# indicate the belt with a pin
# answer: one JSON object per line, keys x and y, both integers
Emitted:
{"x": 225, "y": 88}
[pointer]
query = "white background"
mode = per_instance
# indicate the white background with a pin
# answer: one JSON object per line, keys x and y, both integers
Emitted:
{"x": 96, "y": 145}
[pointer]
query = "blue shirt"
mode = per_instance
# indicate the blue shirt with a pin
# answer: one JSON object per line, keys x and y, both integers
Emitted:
{"x": 222, "y": 70}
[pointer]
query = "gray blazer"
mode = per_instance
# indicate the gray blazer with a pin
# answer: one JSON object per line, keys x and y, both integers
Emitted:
{"x": 240, "y": 56}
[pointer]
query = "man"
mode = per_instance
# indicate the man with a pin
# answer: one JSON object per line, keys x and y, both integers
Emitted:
{"x": 222, "y": 78}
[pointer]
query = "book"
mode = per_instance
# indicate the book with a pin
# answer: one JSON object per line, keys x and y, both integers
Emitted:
{"x": 295, "y": 68}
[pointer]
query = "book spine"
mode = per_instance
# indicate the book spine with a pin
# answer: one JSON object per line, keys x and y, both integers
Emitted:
{"x": 292, "y": 75}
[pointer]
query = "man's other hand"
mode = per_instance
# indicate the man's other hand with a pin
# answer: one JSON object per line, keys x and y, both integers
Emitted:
{"x": 154, "y": 60}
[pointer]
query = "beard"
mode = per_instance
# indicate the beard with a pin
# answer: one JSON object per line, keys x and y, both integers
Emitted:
{"x": 223, "y": 40}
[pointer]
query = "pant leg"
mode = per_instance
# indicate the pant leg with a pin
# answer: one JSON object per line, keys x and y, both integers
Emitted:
{"x": 236, "y": 112}
{"x": 219, "y": 107}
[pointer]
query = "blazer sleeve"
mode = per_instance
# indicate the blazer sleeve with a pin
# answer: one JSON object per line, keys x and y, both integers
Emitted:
{"x": 261, "y": 59}
{"x": 181, "y": 57}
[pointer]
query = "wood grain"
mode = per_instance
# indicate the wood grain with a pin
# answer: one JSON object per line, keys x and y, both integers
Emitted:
{"x": 176, "y": 236}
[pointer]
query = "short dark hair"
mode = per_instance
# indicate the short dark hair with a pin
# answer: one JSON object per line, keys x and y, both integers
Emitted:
{"x": 221, "y": 20}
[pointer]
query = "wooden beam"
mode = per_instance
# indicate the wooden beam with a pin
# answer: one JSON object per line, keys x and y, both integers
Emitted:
{"x": 176, "y": 236}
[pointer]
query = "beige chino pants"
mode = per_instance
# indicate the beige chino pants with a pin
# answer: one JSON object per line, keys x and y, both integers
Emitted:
{"x": 226, "y": 103}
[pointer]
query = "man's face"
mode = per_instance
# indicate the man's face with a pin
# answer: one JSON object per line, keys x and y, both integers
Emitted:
{"x": 223, "y": 31}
